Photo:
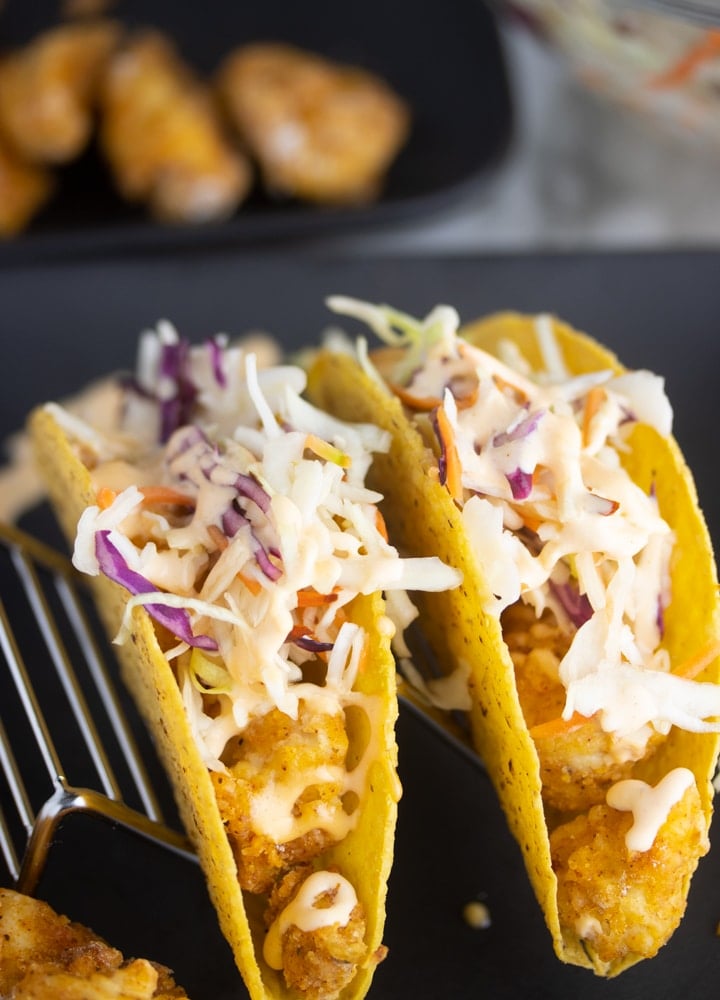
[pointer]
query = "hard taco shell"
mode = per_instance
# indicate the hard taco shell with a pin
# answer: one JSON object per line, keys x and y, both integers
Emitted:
{"x": 364, "y": 856}
{"x": 423, "y": 519}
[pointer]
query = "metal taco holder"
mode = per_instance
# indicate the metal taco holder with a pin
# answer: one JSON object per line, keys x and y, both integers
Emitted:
{"x": 59, "y": 695}
{"x": 51, "y": 704}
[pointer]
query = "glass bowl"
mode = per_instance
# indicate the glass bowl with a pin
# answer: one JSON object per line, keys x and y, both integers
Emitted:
{"x": 657, "y": 57}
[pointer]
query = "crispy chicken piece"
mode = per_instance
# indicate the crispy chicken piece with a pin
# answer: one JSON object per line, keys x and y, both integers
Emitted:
{"x": 162, "y": 137}
{"x": 620, "y": 901}
{"x": 320, "y": 131}
{"x": 275, "y": 750}
{"x": 43, "y": 955}
{"x": 321, "y": 962}
{"x": 24, "y": 188}
{"x": 48, "y": 90}
{"x": 578, "y": 763}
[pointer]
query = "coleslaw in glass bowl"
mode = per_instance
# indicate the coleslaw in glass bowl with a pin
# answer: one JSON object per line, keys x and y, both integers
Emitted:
{"x": 656, "y": 59}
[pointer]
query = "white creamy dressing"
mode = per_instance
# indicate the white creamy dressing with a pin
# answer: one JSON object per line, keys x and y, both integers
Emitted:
{"x": 650, "y": 806}
{"x": 281, "y": 485}
{"x": 553, "y": 518}
{"x": 21, "y": 486}
{"x": 303, "y": 913}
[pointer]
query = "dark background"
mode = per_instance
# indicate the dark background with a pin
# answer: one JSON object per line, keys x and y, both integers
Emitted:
{"x": 64, "y": 323}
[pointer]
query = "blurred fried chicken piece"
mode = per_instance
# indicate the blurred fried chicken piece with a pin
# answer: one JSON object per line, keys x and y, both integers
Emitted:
{"x": 24, "y": 188}
{"x": 320, "y": 131}
{"x": 621, "y": 901}
{"x": 44, "y": 955}
{"x": 162, "y": 137}
{"x": 318, "y": 963}
{"x": 48, "y": 90}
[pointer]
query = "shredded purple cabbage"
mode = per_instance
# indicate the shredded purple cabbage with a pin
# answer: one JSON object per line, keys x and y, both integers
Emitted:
{"x": 660, "y": 617}
{"x": 525, "y": 427}
{"x": 312, "y": 645}
{"x": 216, "y": 360}
{"x": 184, "y": 439}
{"x": 233, "y": 520}
{"x": 249, "y": 487}
{"x": 576, "y": 605}
{"x": 177, "y": 409}
{"x": 262, "y": 558}
{"x": 176, "y": 620}
{"x": 520, "y": 483}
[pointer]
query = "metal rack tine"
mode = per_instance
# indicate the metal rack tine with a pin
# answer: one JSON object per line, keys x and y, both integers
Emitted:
{"x": 25, "y": 861}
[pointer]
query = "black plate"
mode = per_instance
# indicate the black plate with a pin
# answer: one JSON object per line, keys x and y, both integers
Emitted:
{"x": 445, "y": 59}
{"x": 63, "y": 324}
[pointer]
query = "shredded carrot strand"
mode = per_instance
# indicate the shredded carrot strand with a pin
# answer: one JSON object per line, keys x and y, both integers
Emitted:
{"x": 559, "y": 727}
{"x": 310, "y": 598}
{"x": 296, "y": 632}
{"x": 465, "y": 391}
{"x": 381, "y": 526}
{"x": 531, "y": 521}
{"x": 592, "y": 404}
{"x": 252, "y": 585}
{"x": 504, "y": 386}
{"x": 165, "y": 495}
{"x": 705, "y": 49}
{"x": 696, "y": 663}
{"x": 453, "y": 469}
{"x": 105, "y": 497}
{"x": 423, "y": 403}
{"x": 217, "y": 538}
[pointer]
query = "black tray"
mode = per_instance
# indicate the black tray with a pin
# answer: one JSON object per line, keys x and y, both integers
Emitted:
{"x": 64, "y": 324}
{"x": 445, "y": 59}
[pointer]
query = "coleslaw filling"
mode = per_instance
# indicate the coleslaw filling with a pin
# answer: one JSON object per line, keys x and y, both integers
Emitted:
{"x": 533, "y": 461}
{"x": 236, "y": 514}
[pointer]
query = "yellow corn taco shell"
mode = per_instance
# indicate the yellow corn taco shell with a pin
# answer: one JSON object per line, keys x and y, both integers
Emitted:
{"x": 365, "y": 854}
{"x": 423, "y": 519}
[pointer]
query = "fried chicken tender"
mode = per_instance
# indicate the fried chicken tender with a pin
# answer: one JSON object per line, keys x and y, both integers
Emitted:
{"x": 318, "y": 963}
{"x": 48, "y": 90}
{"x": 163, "y": 139}
{"x": 43, "y": 954}
{"x": 320, "y": 131}
{"x": 619, "y": 901}
{"x": 276, "y": 752}
{"x": 24, "y": 189}
{"x": 578, "y": 763}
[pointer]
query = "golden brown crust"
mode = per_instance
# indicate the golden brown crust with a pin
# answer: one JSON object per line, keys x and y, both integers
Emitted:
{"x": 320, "y": 963}
{"x": 44, "y": 954}
{"x": 48, "y": 90}
{"x": 319, "y": 130}
{"x": 162, "y": 137}
{"x": 622, "y": 902}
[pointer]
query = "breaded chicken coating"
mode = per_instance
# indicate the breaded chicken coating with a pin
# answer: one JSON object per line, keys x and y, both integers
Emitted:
{"x": 619, "y": 901}
{"x": 161, "y": 135}
{"x": 274, "y": 752}
{"x": 43, "y": 954}
{"x": 48, "y": 90}
{"x": 321, "y": 962}
{"x": 579, "y": 762}
{"x": 320, "y": 131}
{"x": 24, "y": 189}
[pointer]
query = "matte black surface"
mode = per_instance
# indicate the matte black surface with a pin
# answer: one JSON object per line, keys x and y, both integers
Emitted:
{"x": 64, "y": 324}
{"x": 444, "y": 59}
